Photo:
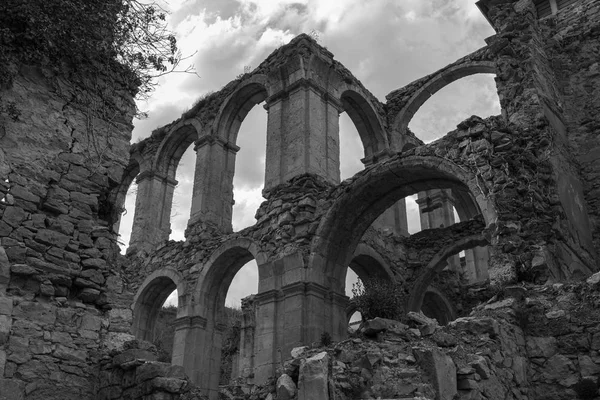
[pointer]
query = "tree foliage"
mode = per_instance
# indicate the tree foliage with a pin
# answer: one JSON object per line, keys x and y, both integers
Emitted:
{"x": 124, "y": 38}
{"x": 376, "y": 297}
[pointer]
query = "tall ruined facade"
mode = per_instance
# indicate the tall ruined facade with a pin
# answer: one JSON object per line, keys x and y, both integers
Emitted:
{"x": 524, "y": 184}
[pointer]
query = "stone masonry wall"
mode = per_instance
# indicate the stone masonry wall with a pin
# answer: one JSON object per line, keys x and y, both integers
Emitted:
{"x": 135, "y": 374}
{"x": 573, "y": 42}
{"x": 59, "y": 161}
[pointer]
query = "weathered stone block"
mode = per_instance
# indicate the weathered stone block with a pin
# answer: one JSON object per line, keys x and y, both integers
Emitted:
{"x": 12, "y": 389}
{"x": 2, "y": 361}
{"x": 19, "y": 192}
{"x": 313, "y": 379}
{"x": 91, "y": 322}
{"x": 71, "y": 354}
{"x": 152, "y": 369}
{"x": 52, "y": 238}
{"x": 93, "y": 275}
{"x": 171, "y": 385}
{"x": 441, "y": 369}
{"x": 541, "y": 346}
{"x": 6, "y": 305}
{"x": 41, "y": 313}
{"x": 13, "y": 216}
{"x": 286, "y": 388}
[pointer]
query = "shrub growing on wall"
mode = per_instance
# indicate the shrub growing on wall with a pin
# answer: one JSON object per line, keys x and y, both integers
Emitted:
{"x": 376, "y": 297}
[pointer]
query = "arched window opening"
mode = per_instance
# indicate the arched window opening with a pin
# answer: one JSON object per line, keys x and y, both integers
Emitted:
{"x": 440, "y": 114}
{"x": 249, "y": 176}
{"x": 164, "y": 329}
{"x": 367, "y": 267}
{"x": 436, "y": 306}
{"x": 356, "y": 317}
{"x": 355, "y": 321}
{"x": 155, "y": 310}
{"x": 182, "y": 195}
{"x": 412, "y": 214}
{"x": 238, "y": 320}
{"x": 351, "y": 148}
{"x": 126, "y": 221}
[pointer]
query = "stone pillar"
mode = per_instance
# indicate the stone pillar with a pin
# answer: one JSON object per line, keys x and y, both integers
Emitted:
{"x": 212, "y": 198}
{"x": 436, "y": 210}
{"x": 476, "y": 264}
{"x": 247, "y": 338}
{"x": 394, "y": 219}
{"x": 265, "y": 345}
{"x": 302, "y": 134}
{"x": 152, "y": 219}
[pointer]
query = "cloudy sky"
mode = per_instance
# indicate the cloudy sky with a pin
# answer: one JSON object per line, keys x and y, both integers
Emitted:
{"x": 385, "y": 43}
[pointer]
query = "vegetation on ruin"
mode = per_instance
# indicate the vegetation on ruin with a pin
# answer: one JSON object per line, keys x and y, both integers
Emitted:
{"x": 377, "y": 297}
{"x": 88, "y": 41}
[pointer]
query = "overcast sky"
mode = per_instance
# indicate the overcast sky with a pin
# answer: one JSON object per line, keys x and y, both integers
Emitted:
{"x": 385, "y": 43}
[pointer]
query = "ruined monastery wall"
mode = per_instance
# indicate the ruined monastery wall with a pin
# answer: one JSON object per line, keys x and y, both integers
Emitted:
{"x": 58, "y": 163}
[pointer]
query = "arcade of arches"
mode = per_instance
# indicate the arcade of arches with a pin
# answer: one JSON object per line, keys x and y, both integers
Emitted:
{"x": 311, "y": 227}
{"x": 523, "y": 185}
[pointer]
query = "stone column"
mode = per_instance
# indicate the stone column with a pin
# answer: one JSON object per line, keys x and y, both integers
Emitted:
{"x": 436, "y": 210}
{"x": 247, "y": 338}
{"x": 476, "y": 264}
{"x": 212, "y": 198}
{"x": 265, "y": 346}
{"x": 302, "y": 134}
{"x": 152, "y": 219}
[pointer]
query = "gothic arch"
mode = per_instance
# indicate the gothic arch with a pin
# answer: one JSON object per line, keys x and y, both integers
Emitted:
{"x": 367, "y": 263}
{"x": 119, "y": 194}
{"x": 436, "y": 305}
{"x": 437, "y": 264}
{"x": 374, "y": 190}
{"x": 220, "y": 269}
{"x": 149, "y": 298}
{"x": 436, "y": 82}
{"x": 208, "y": 300}
{"x": 368, "y": 123}
{"x": 237, "y": 105}
{"x": 178, "y": 139}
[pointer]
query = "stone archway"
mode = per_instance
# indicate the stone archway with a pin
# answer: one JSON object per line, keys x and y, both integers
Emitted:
{"x": 371, "y": 193}
{"x": 204, "y": 326}
{"x": 150, "y": 297}
{"x": 436, "y": 305}
{"x": 434, "y": 83}
{"x": 368, "y": 123}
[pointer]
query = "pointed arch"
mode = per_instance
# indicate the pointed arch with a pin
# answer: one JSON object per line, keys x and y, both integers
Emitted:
{"x": 236, "y": 106}
{"x": 369, "y": 125}
{"x": 177, "y": 140}
{"x": 371, "y": 193}
{"x": 434, "y": 83}
{"x": 149, "y": 298}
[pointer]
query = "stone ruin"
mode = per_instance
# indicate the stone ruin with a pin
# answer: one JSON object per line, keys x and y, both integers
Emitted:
{"x": 525, "y": 185}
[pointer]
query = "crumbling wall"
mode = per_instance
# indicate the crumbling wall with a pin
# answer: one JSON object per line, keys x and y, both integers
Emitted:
{"x": 573, "y": 44}
{"x": 59, "y": 161}
{"x": 134, "y": 373}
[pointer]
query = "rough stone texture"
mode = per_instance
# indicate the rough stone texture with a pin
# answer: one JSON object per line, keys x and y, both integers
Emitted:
{"x": 442, "y": 369}
{"x": 314, "y": 378}
{"x": 524, "y": 183}
{"x": 59, "y": 163}
{"x": 286, "y": 388}
{"x": 134, "y": 374}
